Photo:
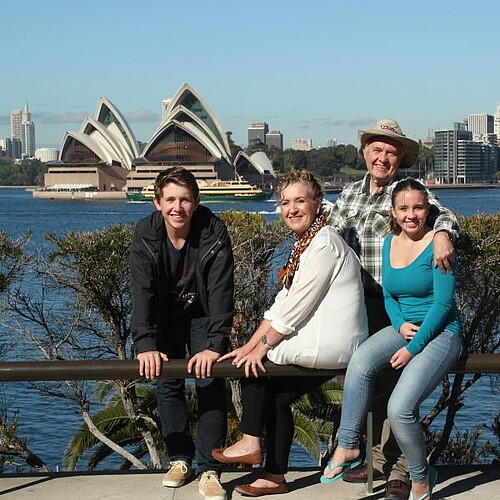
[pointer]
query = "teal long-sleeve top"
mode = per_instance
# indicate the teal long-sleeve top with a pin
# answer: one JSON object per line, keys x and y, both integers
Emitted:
{"x": 419, "y": 292}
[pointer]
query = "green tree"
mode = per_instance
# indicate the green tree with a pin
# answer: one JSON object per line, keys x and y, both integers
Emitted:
{"x": 24, "y": 173}
{"x": 295, "y": 159}
{"x": 322, "y": 162}
{"x": 87, "y": 275}
{"x": 13, "y": 263}
{"x": 478, "y": 299}
{"x": 235, "y": 149}
{"x": 317, "y": 417}
{"x": 257, "y": 247}
{"x": 351, "y": 158}
{"x": 114, "y": 422}
{"x": 277, "y": 159}
{"x": 254, "y": 146}
{"x": 12, "y": 259}
{"x": 83, "y": 306}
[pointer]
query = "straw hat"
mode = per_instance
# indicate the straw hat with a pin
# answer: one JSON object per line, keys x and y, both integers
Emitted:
{"x": 386, "y": 127}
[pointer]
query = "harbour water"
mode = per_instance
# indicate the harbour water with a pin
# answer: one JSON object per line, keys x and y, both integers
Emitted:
{"x": 48, "y": 424}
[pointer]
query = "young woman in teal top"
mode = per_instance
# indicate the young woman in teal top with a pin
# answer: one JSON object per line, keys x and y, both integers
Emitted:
{"x": 423, "y": 341}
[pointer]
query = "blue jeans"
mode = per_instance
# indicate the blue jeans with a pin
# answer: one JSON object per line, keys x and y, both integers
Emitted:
{"x": 418, "y": 379}
{"x": 211, "y": 398}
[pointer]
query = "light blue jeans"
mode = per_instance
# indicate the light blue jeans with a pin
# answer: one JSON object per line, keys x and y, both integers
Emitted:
{"x": 418, "y": 379}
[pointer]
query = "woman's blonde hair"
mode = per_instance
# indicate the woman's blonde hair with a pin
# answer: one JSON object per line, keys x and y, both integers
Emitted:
{"x": 313, "y": 184}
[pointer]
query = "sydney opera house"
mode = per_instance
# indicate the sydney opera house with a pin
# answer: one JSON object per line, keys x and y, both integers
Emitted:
{"x": 104, "y": 156}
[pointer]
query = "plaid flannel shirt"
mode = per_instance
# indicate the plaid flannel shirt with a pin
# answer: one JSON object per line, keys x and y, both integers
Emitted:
{"x": 363, "y": 221}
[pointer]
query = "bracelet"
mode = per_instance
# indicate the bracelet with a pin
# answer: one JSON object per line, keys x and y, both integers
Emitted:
{"x": 263, "y": 340}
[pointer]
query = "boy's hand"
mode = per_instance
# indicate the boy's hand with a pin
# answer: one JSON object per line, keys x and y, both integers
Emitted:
{"x": 202, "y": 363}
{"x": 150, "y": 363}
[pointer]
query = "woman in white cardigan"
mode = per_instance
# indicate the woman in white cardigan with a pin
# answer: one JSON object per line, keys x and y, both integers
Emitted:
{"x": 317, "y": 320}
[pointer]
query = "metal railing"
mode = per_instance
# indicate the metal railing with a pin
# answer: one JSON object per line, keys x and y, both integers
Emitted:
{"x": 30, "y": 371}
{"x": 26, "y": 371}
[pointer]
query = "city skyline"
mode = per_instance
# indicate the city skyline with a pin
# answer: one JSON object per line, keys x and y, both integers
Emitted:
{"x": 319, "y": 71}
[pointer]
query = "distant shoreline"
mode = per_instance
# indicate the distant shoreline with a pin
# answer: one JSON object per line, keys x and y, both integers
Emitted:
{"x": 120, "y": 195}
{"x": 435, "y": 186}
{"x": 463, "y": 186}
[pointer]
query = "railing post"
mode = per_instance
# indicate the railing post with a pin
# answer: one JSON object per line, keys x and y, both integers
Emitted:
{"x": 369, "y": 450}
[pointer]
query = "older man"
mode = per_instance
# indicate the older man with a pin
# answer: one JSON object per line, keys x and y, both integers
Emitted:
{"x": 361, "y": 215}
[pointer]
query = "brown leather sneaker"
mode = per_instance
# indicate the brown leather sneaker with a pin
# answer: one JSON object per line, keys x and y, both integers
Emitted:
{"x": 397, "y": 490}
{"x": 360, "y": 475}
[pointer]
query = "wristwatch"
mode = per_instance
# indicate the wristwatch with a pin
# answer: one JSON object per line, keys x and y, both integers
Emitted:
{"x": 263, "y": 339}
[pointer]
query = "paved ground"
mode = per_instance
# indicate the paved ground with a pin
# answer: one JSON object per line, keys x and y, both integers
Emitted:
{"x": 464, "y": 483}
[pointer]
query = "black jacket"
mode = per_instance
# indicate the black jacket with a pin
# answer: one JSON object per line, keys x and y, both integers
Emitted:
{"x": 149, "y": 281}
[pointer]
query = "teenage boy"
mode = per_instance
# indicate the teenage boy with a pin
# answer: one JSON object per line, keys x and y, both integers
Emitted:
{"x": 182, "y": 296}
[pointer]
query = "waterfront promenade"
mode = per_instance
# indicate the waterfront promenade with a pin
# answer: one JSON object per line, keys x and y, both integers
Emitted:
{"x": 457, "y": 483}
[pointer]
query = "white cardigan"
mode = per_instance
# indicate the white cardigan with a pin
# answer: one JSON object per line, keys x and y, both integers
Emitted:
{"x": 323, "y": 314}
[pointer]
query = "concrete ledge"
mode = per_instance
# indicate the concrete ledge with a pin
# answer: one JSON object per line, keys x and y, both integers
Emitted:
{"x": 461, "y": 483}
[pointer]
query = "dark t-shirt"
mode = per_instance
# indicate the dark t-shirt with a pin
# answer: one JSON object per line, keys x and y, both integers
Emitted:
{"x": 181, "y": 269}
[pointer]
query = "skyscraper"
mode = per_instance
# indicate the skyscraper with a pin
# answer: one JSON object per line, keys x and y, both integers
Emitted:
{"x": 28, "y": 139}
{"x": 23, "y": 129}
{"x": 460, "y": 160}
{"x": 15, "y": 124}
{"x": 496, "y": 124}
{"x": 446, "y": 154}
{"x": 275, "y": 139}
{"x": 479, "y": 125}
{"x": 257, "y": 132}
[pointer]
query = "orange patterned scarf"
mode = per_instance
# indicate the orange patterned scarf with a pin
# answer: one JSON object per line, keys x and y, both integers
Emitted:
{"x": 285, "y": 275}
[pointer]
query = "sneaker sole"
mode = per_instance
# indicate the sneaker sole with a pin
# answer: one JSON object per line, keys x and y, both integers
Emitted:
{"x": 173, "y": 484}
{"x": 217, "y": 497}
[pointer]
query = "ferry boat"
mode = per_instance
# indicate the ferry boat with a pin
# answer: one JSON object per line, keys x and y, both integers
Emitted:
{"x": 146, "y": 194}
{"x": 235, "y": 190}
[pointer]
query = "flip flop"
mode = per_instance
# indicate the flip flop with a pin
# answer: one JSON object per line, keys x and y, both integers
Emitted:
{"x": 346, "y": 466}
{"x": 433, "y": 475}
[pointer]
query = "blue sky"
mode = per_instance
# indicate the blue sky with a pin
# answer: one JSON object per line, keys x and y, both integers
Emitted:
{"x": 312, "y": 69}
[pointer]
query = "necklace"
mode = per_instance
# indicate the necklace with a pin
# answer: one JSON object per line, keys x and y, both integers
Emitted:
{"x": 286, "y": 274}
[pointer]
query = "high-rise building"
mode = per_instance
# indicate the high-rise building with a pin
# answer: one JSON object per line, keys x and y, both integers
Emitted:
{"x": 28, "y": 139}
{"x": 331, "y": 143}
{"x": 12, "y": 147}
{"x": 22, "y": 129}
{"x": 480, "y": 124}
{"x": 16, "y": 148}
{"x": 302, "y": 144}
{"x": 5, "y": 146}
{"x": 446, "y": 154}
{"x": 257, "y": 132}
{"x": 275, "y": 139}
{"x": 15, "y": 124}
{"x": 496, "y": 124}
{"x": 17, "y": 117}
{"x": 460, "y": 160}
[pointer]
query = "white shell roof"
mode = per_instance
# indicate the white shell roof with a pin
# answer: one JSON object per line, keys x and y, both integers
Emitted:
{"x": 259, "y": 160}
{"x": 112, "y": 140}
